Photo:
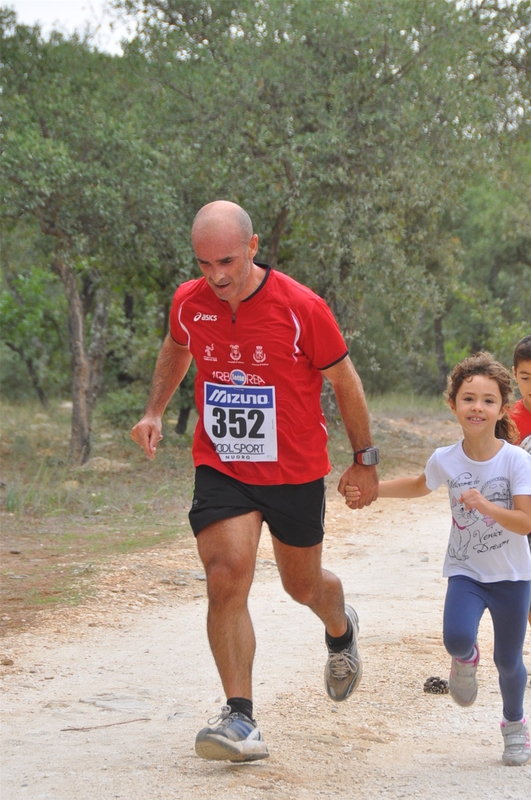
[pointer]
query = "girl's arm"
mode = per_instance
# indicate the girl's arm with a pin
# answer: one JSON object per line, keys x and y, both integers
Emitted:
{"x": 400, "y": 487}
{"x": 404, "y": 487}
{"x": 517, "y": 519}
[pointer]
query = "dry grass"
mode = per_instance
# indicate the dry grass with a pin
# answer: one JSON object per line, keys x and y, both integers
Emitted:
{"x": 59, "y": 521}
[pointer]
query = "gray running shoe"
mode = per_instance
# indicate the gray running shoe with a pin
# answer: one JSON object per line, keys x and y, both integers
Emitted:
{"x": 516, "y": 741}
{"x": 343, "y": 670}
{"x": 463, "y": 685}
{"x": 235, "y": 737}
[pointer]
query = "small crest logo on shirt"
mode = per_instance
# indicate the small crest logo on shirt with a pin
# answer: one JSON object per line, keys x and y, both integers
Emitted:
{"x": 209, "y": 349}
{"x": 259, "y": 357}
{"x": 235, "y": 354}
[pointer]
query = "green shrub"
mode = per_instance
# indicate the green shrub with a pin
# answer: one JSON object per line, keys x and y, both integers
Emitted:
{"x": 123, "y": 407}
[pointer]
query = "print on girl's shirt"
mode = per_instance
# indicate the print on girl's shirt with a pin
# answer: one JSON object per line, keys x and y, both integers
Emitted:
{"x": 471, "y": 526}
{"x": 460, "y": 535}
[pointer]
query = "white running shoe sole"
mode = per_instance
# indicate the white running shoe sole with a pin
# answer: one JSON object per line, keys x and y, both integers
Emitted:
{"x": 218, "y": 748}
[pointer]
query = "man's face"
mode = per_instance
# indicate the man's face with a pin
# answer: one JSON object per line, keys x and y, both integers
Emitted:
{"x": 226, "y": 261}
{"x": 522, "y": 375}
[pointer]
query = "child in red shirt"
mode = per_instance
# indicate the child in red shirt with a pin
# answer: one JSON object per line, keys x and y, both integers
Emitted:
{"x": 520, "y": 412}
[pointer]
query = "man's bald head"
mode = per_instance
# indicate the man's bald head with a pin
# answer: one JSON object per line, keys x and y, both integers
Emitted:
{"x": 222, "y": 215}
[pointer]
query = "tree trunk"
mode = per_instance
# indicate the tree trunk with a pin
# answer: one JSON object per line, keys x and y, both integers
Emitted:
{"x": 182, "y": 422}
{"x": 442, "y": 366}
{"x": 98, "y": 329}
{"x": 276, "y": 233}
{"x": 32, "y": 372}
{"x": 86, "y": 366}
{"x": 282, "y": 216}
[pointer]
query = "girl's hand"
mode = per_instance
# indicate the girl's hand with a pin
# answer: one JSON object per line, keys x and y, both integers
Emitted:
{"x": 352, "y": 495}
{"x": 472, "y": 499}
{"x": 517, "y": 519}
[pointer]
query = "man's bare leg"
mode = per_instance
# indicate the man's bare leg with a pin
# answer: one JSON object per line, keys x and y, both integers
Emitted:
{"x": 308, "y": 583}
{"x": 305, "y": 580}
{"x": 228, "y": 551}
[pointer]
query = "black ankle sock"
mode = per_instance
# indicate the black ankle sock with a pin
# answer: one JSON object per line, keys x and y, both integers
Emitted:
{"x": 241, "y": 704}
{"x": 338, "y": 643}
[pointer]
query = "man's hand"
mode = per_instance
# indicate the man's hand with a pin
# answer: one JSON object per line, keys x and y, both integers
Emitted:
{"x": 147, "y": 433}
{"x": 359, "y": 486}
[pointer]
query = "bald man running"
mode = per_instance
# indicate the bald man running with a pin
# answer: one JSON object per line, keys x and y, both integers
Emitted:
{"x": 261, "y": 343}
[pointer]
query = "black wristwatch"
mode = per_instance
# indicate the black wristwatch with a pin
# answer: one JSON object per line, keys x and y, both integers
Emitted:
{"x": 368, "y": 457}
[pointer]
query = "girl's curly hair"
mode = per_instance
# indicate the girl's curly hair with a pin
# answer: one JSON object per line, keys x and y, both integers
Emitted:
{"x": 484, "y": 364}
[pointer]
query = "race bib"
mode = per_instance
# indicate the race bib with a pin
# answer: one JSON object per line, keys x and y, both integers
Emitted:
{"x": 241, "y": 421}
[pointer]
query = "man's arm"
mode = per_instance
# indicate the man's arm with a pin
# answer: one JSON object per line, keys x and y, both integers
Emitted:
{"x": 353, "y": 408}
{"x": 172, "y": 365}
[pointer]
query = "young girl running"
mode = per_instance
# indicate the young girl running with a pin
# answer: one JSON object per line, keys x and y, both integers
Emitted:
{"x": 488, "y": 563}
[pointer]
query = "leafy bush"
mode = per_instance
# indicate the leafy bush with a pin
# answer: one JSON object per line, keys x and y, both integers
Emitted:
{"x": 123, "y": 407}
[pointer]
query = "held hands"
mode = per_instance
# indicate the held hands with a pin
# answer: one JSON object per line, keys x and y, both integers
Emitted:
{"x": 352, "y": 496}
{"x": 359, "y": 486}
{"x": 147, "y": 434}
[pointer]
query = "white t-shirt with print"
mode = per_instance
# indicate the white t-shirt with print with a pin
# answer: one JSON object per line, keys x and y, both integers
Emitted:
{"x": 480, "y": 547}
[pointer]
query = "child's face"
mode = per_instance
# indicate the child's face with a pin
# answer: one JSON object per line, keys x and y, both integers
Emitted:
{"x": 478, "y": 405}
{"x": 522, "y": 375}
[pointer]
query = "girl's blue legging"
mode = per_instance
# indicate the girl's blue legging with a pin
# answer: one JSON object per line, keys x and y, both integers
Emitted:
{"x": 508, "y": 603}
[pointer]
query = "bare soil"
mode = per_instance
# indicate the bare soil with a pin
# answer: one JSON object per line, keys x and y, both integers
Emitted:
{"x": 103, "y": 699}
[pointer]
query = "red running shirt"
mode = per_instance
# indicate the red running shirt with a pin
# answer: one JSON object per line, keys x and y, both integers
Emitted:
{"x": 522, "y": 417}
{"x": 258, "y": 383}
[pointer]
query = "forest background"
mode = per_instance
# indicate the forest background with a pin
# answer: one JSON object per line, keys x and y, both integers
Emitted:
{"x": 382, "y": 149}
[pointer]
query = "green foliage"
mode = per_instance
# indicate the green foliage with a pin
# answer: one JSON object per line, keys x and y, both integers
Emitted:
{"x": 32, "y": 312}
{"x": 123, "y": 407}
{"x": 76, "y": 160}
{"x": 490, "y": 307}
{"x": 382, "y": 151}
{"x": 360, "y": 128}
{"x": 136, "y": 327}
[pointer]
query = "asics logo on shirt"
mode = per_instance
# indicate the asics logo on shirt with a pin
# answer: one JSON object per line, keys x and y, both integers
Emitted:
{"x": 199, "y": 317}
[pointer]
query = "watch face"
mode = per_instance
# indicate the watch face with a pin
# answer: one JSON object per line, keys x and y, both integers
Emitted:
{"x": 369, "y": 457}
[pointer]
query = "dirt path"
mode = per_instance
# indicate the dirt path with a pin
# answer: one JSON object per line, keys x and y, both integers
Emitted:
{"x": 104, "y": 701}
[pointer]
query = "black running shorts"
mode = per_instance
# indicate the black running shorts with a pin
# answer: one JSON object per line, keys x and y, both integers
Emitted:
{"x": 294, "y": 512}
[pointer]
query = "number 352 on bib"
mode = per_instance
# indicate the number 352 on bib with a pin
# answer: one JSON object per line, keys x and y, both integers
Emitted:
{"x": 241, "y": 421}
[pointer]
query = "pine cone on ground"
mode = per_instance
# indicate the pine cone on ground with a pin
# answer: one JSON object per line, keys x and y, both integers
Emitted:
{"x": 436, "y": 685}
